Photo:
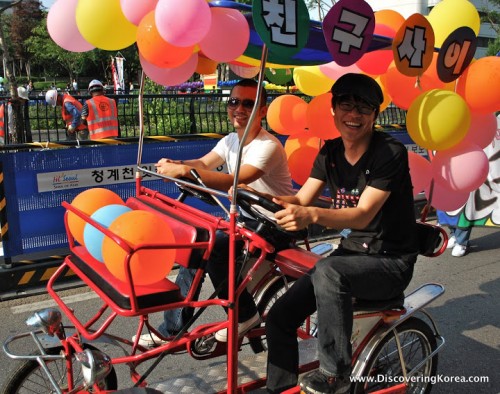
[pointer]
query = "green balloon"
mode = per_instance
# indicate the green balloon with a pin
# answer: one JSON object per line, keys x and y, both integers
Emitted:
{"x": 1, "y": 79}
{"x": 279, "y": 76}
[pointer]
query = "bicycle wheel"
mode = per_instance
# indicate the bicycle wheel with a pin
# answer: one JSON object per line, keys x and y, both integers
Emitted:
{"x": 30, "y": 378}
{"x": 383, "y": 369}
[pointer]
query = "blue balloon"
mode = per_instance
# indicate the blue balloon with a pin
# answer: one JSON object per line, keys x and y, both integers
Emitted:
{"x": 92, "y": 237}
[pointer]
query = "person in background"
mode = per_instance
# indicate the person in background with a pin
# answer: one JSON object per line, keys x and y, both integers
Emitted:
{"x": 71, "y": 111}
{"x": 264, "y": 166}
{"x": 100, "y": 113}
{"x": 368, "y": 175}
{"x": 22, "y": 135}
{"x": 74, "y": 85}
{"x": 458, "y": 240}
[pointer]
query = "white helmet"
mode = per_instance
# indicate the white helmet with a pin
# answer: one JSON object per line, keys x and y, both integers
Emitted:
{"x": 95, "y": 85}
{"x": 51, "y": 97}
{"x": 22, "y": 93}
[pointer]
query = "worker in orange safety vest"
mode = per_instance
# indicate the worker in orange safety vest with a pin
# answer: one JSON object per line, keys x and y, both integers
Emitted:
{"x": 100, "y": 113}
{"x": 71, "y": 114}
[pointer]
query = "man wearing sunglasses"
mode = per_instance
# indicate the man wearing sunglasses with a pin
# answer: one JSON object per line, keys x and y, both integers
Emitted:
{"x": 263, "y": 166}
{"x": 372, "y": 201}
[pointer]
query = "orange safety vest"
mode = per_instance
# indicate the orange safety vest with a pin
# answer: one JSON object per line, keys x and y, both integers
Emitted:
{"x": 2, "y": 124}
{"x": 67, "y": 117}
{"x": 102, "y": 119}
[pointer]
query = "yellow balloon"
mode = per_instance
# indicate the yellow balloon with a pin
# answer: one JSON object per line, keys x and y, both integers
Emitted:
{"x": 103, "y": 24}
{"x": 449, "y": 15}
{"x": 438, "y": 119}
{"x": 311, "y": 81}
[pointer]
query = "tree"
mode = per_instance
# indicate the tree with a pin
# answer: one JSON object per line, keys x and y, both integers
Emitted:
{"x": 25, "y": 17}
{"x": 490, "y": 14}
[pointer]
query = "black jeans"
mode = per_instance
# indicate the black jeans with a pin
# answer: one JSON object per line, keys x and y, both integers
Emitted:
{"x": 329, "y": 288}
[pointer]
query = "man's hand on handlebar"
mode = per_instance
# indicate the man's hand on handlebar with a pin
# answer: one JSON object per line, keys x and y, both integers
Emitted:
{"x": 172, "y": 168}
{"x": 293, "y": 217}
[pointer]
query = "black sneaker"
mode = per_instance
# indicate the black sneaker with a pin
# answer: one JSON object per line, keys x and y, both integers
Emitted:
{"x": 316, "y": 382}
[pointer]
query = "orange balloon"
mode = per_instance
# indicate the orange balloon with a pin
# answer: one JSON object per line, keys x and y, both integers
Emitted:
{"x": 320, "y": 119}
{"x": 389, "y": 18}
{"x": 155, "y": 49}
{"x": 206, "y": 66}
{"x": 88, "y": 202}
{"x": 479, "y": 85}
{"x": 138, "y": 228}
{"x": 301, "y": 140}
{"x": 301, "y": 162}
{"x": 286, "y": 114}
{"x": 387, "y": 99}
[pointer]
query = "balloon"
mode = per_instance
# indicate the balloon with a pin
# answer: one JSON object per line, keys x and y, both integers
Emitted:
{"x": 279, "y": 76}
{"x": 446, "y": 199}
{"x": 206, "y": 66}
{"x": 479, "y": 85}
{"x": 301, "y": 162}
{"x": 135, "y": 10}
{"x": 333, "y": 71}
{"x": 62, "y": 28}
{"x": 88, "y": 202}
{"x": 377, "y": 62}
{"x": 301, "y": 140}
{"x": 170, "y": 76}
{"x": 103, "y": 24}
{"x": 320, "y": 119}
{"x": 420, "y": 172}
{"x": 138, "y": 228}
{"x": 311, "y": 81}
{"x": 387, "y": 97}
{"x": 287, "y": 114}
{"x": 438, "y": 119}
{"x": 92, "y": 237}
{"x": 227, "y": 37}
{"x": 389, "y": 18}
{"x": 448, "y": 15}
{"x": 155, "y": 49}
{"x": 482, "y": 130}
{"x": 244, "y": 71}
{"x": 463, "y": 168}
{"x": 183, "y": 23}
{"x": 404, "y": 89}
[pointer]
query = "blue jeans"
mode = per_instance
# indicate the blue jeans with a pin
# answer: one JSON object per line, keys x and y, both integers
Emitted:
{"x": 461, "y": 235}
{"x": 329, "y": 288}
{"x": 217, "y": 268}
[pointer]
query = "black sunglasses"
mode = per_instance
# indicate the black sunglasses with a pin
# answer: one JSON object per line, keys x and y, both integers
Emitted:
{"x": 234, "y": 103}
{"x": 362, "y": 109}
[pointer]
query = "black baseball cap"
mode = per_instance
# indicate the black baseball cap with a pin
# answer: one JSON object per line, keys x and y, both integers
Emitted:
{"x": 361, "y": 86}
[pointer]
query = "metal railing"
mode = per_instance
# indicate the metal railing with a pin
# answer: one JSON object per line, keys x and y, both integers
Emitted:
{"x": 164, "y": 115}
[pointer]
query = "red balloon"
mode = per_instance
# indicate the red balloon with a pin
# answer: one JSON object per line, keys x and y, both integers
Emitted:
{"x": 377, "y": 62}
{"x": 446, "y": 199}
{"x": 301, "y": 162}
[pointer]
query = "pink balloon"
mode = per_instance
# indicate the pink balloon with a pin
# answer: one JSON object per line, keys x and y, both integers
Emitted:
{"x": 333, "y": 71}
{"x": 135, "y": 10}
{"x": 62, "y": 28}
{"x": 463, "y": 168}
{"x": 183, "y": 22}
{"x": 228, "y": 36}
{"x": 420, "y": 172}
{"x": 446, "y": 199}
{"x": 482, "y": 130}
{"x": 170, "y": 76}
{"x": 244, "y": 71}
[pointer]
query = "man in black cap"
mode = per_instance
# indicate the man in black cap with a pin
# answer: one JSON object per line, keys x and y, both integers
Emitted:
{"x": 372, "y": 204}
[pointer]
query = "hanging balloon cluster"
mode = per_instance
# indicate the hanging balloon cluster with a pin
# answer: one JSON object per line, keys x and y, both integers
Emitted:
{"x": 135, "y": 227}
{"x": 450, "y": 96}
{"x": 175, "y": 37}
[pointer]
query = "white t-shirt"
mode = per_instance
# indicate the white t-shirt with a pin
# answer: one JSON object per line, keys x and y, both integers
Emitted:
{"x": 266, "y": 153}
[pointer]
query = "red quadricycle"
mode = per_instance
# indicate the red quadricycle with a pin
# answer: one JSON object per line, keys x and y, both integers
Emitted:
{"x": 395, "y": 342}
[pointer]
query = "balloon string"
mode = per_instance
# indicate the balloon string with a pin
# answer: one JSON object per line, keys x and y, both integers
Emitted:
{"x": 417, "y": 83}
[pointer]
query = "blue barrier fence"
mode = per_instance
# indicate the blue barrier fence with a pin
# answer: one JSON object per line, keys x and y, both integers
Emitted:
{"x": 36, "y": 182}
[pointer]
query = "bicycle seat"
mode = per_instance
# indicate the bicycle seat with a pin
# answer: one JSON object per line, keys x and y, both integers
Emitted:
{"x": 396, "y": 303}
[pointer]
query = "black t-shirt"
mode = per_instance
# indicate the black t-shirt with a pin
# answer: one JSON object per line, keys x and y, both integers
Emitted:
{"x": 383, "y": 166}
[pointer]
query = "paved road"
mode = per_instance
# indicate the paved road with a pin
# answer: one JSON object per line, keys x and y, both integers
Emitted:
{"x": 467, "y": 316}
